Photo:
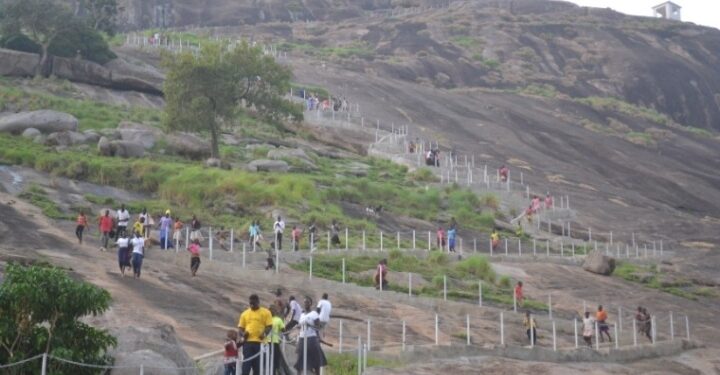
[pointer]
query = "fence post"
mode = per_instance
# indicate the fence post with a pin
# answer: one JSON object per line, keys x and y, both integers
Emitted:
{"x": 444, "y": 287}
{"x": 359, "y": 365}
{"x": 232, "y": 240}
{"x": 403, "y": 335}
{"x": 142, "y": 369}
{"x": 398, "y": 240}
{"x": 654, "y": 330}
{"x": 534, "y": 248}
{"x": 369, "y": 337}
{"x": 475, "y": 245}
{"x": 381, "y": 241}
{"x": 43, "y": 369}
{"x": 519, "y": 247}
{"x": 243, "y": 255}
{"x": 340, "y": 333}
{"x": 576, "y": 332}
{"x": 409, "y": 284}
{"x": 550, "y": 306}
{"x": 429, "y": 242}
{"x": 634, "y": 332}
{"x": 187, "y": 236}
{"x": 506, "y": 247}
{"x": 597, "y": 336}
{"x": 554, "y": 336}
{"x": 210, "y": 240}
{"x": 687, "y": 328}
{"x": 467, "y": 328}
{"x": 547, "y": 248}
{"x": 611, "y": 238}
{"x": 363, "y": 244}
{"x": 310, "y": 273}
{"x": 617, "y": 338}
{"x": 491, "y": 247}
{"x": 347, "y": 239}
{"x": 328, "y": 241}
{"x": 343, "y": 270}
{"x": 480, "y": 293}
{"x": 277, "y": 259}
{"x": 413, "y": 246}
{"x": 514, "y": 301}
{"x": 620, "y": 324}
{"x": 502, "y": 329}
{"x": 437, "y": 330}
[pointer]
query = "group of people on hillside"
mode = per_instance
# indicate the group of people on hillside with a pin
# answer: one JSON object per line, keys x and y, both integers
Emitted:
{"x": 259, "y": 325}
{"x": 537, "y": 204}
{"x": 448, "y": 239}
{"x": 313, "y": 103}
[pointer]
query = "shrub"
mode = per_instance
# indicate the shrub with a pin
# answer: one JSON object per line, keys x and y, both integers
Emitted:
{"x": 478, "y": 267}
{"x": 505, "y": 282}
{"x": 438, "y": 258}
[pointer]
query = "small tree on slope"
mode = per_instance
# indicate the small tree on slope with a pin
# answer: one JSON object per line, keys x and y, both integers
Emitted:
{"x": 40, "y": 312}
{"x": 206, "y": 90}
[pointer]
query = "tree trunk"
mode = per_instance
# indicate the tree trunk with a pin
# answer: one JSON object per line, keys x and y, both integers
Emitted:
{"x": 43, "y": 68}
{"x": 215, "y": 149}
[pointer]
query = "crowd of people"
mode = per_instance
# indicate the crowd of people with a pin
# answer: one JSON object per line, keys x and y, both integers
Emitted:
{"x": 314, "y": 103}
{"x": 258, "y": 325}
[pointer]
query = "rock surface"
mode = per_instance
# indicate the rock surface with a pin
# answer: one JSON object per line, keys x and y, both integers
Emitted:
{"x": 67, "y": 139}
{"x": 265, "y": 165}
{"x": 150, "y": 346}
{"x": 123, "y": 149}
{"x": 188, "y": 145}
{"x": 30, "y": 133}
{"x": 597, "y": 262}
{"x": 45, "y": 121}
{"x": 139, "y": 133}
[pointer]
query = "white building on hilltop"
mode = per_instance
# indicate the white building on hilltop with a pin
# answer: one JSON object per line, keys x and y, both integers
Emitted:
{"x": 667, "y": 10}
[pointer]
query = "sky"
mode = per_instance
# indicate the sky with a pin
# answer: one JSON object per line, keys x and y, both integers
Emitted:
{"x": 701, "y": 12}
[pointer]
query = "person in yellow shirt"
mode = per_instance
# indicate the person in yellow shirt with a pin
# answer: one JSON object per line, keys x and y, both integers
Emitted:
{"x": 139, "y": 226}
{"x": 495, "y": 238}
{"x": 254, "y": 325}
{"x": 530, "y": 324}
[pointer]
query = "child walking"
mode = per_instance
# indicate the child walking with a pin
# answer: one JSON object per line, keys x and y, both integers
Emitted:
{"x": 231, "y": 352}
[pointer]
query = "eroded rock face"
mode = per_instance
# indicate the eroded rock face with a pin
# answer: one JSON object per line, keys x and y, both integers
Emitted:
{"x": 264, "y": 165}
{"x": 139, "y": 133}
{"x": 152, "y": 347}
{"x": 45, "y": 121}
{"x": 123, "y": 149}
{"x": 188, "y": 145}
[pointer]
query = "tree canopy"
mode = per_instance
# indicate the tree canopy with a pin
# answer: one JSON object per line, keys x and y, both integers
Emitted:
{"x": 205, "y": 90}
{"x": 40, "y": 312}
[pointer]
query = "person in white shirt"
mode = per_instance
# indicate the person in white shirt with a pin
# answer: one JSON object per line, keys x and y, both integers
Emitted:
{"x": 324, "y": 307}
{"x": 309, "y": 321}
{"x": 279, "y": 227}
{"x": 138, "y": 244}
{"x": 123, "y": 217}
{"x": 295, "y": 313}
{"x": 123, "y": 244}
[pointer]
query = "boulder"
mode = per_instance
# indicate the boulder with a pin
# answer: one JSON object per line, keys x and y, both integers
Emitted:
{"x": 30, "y": 133}
{"x": 188, "y": 145}
{"x": 66, "y": 139}
{"x": 18, "y": 64}
{"x": 213, "y": 163}
{"x": 81, "y": 71}
{"x": 46, "y": 121}
{"x": 264, "y": 165}
{"x": 139, "y": 133}
{"x": 135, "y": 75}
{"x": 288, "y": 153}
{"x": 154, "y": 347}
{"x": 123, "y": 149}
{"x": 597, "y": 262}
{"x": 91, "y": 137}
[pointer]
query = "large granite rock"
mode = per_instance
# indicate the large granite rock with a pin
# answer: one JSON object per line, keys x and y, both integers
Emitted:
{"x": 123, "y": 149}
{"x": 288, "y": 153}
{"x": 188, "y": 145}
{"x": 154, "y": 347}
{"x": 81, "y": 71}
{"x": 139, "y": 133}
{"x": 18, "y": 64}
{"x": 265, "y": 165}
{"x": 135, "y": 75}
{"x": 597, "y": 262}
{"x": 30, "y": 133}
{"x": 67, "y": 138}
{"x": 46, "y": 121}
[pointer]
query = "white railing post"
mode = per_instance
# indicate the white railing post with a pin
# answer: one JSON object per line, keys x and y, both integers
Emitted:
{"x": 467, "y": 328}
{"x": 369, "y": 337}
{"x": 243, "y": 255}
{"x": 409, "y": 284}
{"x": 634, "y": 329}
{"x": 502, "y": 329}
{"x": 43, "y": 369}
{"x": 340, "y": 338}
{"x": 575, "y": 325}
{"x": 654, "y": 329}
{"x": 310, "y": 267}
{"x": 687, "y": 328}
{"x": 328, "y": 241}
{"x": 363, "y": 244}
{"x": 210, "y": 242}
{"x": 620, "y": 319}
{"x": 232, "y": 240}
{"x": 506, "y": 247}
{"x": 617, "y": 338}
{"x": 514, "y": 301}
{"x": 429, "y": 242}
{"x": 398, "y": 240}
{"x": 343, "y": 270}
{"x": 480, "y": 293}
{"x": 359, "y": 364}
{"x": 437, "y": 330}
{"x": 347, "y": 239}
{"x": 381, "y": 241}
{"x": 550, "y": 306}
{"x": 403, "y": 335}
{"x": 554, "y": 332}
{"x": 413, "y": 240}
{"x": 444, "y": 288}
{"x": 597, "y": 336}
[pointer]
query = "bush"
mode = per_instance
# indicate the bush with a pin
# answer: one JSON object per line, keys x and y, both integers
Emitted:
{"x": 478, "y": 267}
{"x": 438, "y": 258}
{"x": 505, "y": 282}
{"x": 19, "y": 42}
{"x": 91, "y": 45}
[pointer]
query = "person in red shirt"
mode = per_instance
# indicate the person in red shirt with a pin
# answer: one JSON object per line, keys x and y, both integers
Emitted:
{"x": 548, "y": 201}
{"x": 231, "y": 352}
{"x": 440, "y": 238}
{"x": 296, "y": 233}
{"x": 81, "y": 225}
{"x": 519, "y": 293}
{"x": 381, "y": 274}
{"x": 194, "y": 250}
{"x": 504, "y": 171}
{"x": 106, "y": 226}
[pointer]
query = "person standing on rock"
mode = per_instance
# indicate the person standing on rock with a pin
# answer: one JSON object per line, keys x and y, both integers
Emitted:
{"x": 312, "y": 234}
{"x": 603, "y": 327}
{"x": 254, "y": 325}
{"x": 308, "y": 345}
{"x": 138, "y": 244}
{"x": 81, "y": 225}
{"x": 295, "y": 312}
{"x": 381, "y": 275}
{"x": 123, "y": 217}
{"x": 451, "y": 234}
{"x": 106, "y": 225}
{"x": 194, "y": 250}
{"x": 195, "y": 226}
{"x": 588, "y": 324}
{"x": 296, "y": 236}
{"x": 324, "y": 308}
{"x": 278, "y": 228}
{"x": 335, "y": 233}
{"x": 177, "y": 230}
{"x": 519, "y": 297}
{"x": 138, "y": 227}
{"x": 146, "y": 227}
{"x": 123, "y": 253}
{"x": 531, "y": 328}
{"x": 165, "y": 225}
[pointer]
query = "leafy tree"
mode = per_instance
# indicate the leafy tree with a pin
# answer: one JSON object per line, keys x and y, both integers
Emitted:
{"x": 40, "y": 20}
{"x": 40, "y": 312}
{"x": 206, "y": 90}
{"x": 101, "y": 15}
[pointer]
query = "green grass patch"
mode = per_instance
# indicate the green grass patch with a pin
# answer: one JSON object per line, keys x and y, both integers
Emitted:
{"x": 617, "y": 105}
{"x": 346, "y": 363}
{"x": 90, "y": 114}
{"x": 650, "y": 277}
{"x": 38, "y": 197}
{"x": 462, "y": 276}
